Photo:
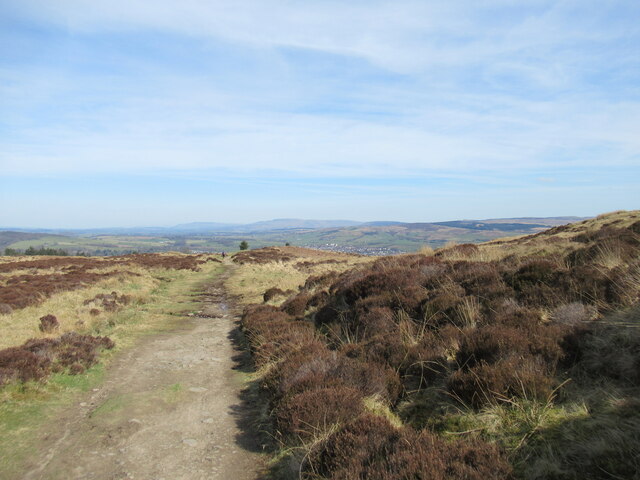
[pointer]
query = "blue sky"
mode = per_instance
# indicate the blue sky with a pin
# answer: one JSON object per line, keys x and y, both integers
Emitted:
{"x": 120, "y": 113}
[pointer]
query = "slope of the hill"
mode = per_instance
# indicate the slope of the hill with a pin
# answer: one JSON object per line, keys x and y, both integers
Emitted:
{"x": 515, "y": 358}
{"x": 9, "y": 238}
{"x": 409, "y": 237}
{"x": 373, "y": 238}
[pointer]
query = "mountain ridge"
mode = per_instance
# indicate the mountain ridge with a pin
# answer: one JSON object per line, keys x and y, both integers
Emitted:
{"x": 279, "y": 224}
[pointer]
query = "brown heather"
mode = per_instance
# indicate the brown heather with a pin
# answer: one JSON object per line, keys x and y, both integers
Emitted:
{"x": 25, "y": 289}
{"x": 371, "y": 448}
{"x": 37, "y": 358}
{"x": 492, "y": 329}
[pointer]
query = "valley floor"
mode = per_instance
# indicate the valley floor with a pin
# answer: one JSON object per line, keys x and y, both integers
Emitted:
{"x": 168, "y": 408}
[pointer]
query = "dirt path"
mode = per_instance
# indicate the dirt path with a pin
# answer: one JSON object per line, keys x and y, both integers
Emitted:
{"x": 168, "y": 409}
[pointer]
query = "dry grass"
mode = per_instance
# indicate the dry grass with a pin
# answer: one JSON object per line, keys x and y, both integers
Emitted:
{"x": 141, "y": 284}
{"x": 68, "y": 307}
{"x": 609, "y": 255}
{"x": 468, "y": 311}
{"x": 426, "y": 250}
{"x": 377, "y": 406}
{"x": 158, "y": 297}
{"x": 485, "y": 253}
{"x": 563, "y": 241}
{"x": 520, "y": 330}
{"x": 250, "y": 281}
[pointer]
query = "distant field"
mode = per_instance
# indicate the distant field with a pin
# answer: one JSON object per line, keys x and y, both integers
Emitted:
{"x": 390, "y": 238}
{"x": 96, "y": 245}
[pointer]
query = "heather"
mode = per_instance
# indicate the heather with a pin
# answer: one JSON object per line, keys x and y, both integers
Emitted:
{"x": 489, "y": 355}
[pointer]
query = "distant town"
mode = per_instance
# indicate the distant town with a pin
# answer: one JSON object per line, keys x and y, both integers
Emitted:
{"x": 359, "y": 250}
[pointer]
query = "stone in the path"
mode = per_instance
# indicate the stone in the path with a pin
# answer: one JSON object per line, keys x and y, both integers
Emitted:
{"x": 191, "y": 442}
{"x": 197, "y": 389}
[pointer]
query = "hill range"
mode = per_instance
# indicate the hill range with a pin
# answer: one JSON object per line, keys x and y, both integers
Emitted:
{"x": 376, "y": 238}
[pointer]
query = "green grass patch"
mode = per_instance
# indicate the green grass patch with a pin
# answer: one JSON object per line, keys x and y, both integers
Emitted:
{"x": 24, "y": 408}
{"x": 173, "y": 393}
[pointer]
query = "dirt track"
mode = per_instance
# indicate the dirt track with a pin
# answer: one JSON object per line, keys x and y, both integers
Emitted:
{"x": 168, "y": 409}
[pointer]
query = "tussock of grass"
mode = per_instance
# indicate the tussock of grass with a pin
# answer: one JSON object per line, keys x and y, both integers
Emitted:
{"x": 379, "y": 407}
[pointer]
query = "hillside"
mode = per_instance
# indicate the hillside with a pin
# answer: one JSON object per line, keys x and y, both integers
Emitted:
{"x": 515, "y": 358}
{"x": 409, "y": 237}
{"x": 8, "y": 239}
{"x": 375, "y": 238}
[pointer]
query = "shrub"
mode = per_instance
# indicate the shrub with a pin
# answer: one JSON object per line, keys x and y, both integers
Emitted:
{"x": 75, "y": 348}
{"x": 378, "y": 320}
{"x": 609, "y": 349}
{"x": 19, "y": 364}
{"x": 439, "y": 307}
{"x": 49, "y": 323}
{"x": 591, "y": 285}
{"x": 536, "y": 283}
{"x": 496, "y": 342}
{"x": 373, "y": 449}
{"x": 273, "y": 335}
{"x": 573, "y": 313}
{"x": 255, "y": 319}
{"x": 314, "y": 366}
{"x": 323, "y": 280}
{"x": 318, "y": 299}
{"x": 481, "y": 279}
{"x": 396, "y": 287}
{"x": 282, "y": 337}
{"x": 307, "y": 414}
{"x": 326, "y": 315}
{"x": 509, "y": 378}
{"x": 275, "y": 292}
{"x": 36, "y": 358}
{"x": 111, "y": 302}
{"x": 262, "y": 256}
{"x": 386, "y": 349}
{"x": 430, "y": 359}
{"x": 297, "y": 305}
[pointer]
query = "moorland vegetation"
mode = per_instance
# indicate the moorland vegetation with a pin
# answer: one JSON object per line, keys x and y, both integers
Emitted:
{"x": 516, "y": 358}
{"x": 519, "y": 358}
{"x": 62, "y": 319}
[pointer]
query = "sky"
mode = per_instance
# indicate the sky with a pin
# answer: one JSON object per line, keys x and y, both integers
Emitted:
{"x": 141, "y": 113}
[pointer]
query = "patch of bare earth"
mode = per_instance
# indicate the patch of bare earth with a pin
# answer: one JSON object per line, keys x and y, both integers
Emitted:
{"x": 168, "y": 409}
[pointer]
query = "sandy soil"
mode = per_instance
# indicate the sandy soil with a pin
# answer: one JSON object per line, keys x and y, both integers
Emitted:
{"x": 168, "y": 409}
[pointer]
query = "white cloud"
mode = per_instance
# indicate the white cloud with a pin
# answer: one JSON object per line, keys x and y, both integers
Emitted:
{"x": 475, "y": 86}
{"x": 399, "y": 35}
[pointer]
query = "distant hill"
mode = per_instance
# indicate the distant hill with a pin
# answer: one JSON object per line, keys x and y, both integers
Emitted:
{"x": 376, "y": 238}
{"x": 492, "y": 226}
{"x": 8, "y": 238}
{"x": 202, "y": 227}
{"x": 293, "y": 223}
{"x": 396, "y": 237}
